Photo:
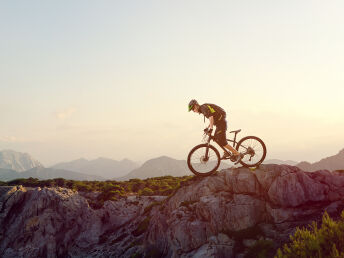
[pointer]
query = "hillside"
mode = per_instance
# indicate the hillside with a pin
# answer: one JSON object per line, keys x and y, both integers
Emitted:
{"x": 280, "y": 162}
{"x": 162, "y": 166}
{"x": 106, "y": 168}
{"x": 45, "y": 173}
{"x": 230, "y": 214}
{"x": 335, "y": 162}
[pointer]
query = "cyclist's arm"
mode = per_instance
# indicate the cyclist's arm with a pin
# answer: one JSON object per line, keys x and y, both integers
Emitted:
{"x": 211, "y": 124}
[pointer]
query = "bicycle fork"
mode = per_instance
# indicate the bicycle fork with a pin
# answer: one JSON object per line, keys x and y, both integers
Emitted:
{"x": 206, "y": 157}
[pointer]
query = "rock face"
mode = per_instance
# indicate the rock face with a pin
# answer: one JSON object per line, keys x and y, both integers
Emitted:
{"x": 218, "y": 216}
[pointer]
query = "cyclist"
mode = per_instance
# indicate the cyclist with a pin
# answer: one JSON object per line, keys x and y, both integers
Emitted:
{"x": 217, "y": 117}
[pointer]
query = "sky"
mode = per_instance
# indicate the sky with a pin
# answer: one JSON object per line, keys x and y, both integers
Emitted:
{"x": 113, "y": 78}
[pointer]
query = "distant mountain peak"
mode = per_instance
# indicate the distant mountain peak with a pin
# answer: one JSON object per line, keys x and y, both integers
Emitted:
{"x": 101, "y": 166}
{"x": 102, "y": 158}
{"x": 335, "y": 162}
{"x": 17, "y": 161}
{"x": 163, "y": 157}
{"x": 82, "y": 159}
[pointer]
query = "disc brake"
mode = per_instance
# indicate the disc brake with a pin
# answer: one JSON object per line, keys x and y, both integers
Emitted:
{"x": 204, "y": 159}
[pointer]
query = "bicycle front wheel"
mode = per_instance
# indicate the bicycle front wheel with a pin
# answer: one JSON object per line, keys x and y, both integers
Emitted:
{"x": 254, "y": 151}
{"x": 203, "y": 160}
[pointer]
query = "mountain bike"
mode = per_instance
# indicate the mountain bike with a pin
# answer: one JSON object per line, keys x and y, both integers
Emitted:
{"x": 204, "y": 159}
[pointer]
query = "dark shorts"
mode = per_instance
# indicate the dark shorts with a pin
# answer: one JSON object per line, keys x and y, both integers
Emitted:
{"x": 220, "y": 132}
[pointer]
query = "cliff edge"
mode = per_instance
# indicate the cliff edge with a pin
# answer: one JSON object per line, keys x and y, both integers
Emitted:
{"x": 217, "y": 216}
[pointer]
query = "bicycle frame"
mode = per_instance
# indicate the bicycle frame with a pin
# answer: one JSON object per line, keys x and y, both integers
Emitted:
{"x": 211, "y": 137}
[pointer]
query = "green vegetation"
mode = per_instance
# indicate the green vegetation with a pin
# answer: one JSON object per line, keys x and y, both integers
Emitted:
{"x": 324, "y": 241}
{"x": 110, "y": 190}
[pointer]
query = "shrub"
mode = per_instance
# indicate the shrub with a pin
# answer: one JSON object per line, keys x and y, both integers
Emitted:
{"x": 324, "y": 241}
{"x": 147, "y": 191}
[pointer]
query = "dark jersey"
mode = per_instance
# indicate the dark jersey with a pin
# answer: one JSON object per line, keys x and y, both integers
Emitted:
{"x": 209, "y": 110}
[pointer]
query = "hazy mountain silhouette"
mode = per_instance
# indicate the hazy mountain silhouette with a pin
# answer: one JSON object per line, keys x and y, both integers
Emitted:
{"x": 162, "y": 166}
{"x": 335, "y": 162}
{"x": 106, "y": 168}
{"x": 8, "y": 174}
{"x": 17, "y": 161}
{"x": 46, "y": 173}
{"x": 280, "y": 162}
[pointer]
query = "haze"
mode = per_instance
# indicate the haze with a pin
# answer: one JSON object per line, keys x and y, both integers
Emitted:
{"x": 113, "y": 78}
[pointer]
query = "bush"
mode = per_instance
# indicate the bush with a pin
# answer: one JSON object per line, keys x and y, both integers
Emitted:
{"x": 326, "y": 241}
{"x": 110, "y": 189}
{"x": 147, "y": 191}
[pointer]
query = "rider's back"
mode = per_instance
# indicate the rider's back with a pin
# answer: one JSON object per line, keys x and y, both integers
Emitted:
{"x": 209, "y": 109}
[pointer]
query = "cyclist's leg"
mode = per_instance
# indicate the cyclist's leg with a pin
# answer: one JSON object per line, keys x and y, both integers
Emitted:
{"x": 224, "y": 139}
{"x": 220, "y": 134}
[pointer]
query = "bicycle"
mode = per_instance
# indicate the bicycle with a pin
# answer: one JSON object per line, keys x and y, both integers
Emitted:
{"x": 252, "y": 148}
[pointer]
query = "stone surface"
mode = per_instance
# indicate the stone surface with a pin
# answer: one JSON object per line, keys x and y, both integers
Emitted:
{"x": 222, "y": 215}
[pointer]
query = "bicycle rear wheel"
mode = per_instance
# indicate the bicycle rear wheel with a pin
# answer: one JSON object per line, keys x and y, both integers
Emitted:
{"x": 201, "y": 164}
{"x": 254, "y": 151}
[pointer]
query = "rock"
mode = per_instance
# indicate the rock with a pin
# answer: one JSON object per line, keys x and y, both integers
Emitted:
{"x": 218, "y": 246}
{"x": 249, "y": 242}
{"x": 205, "y": 217}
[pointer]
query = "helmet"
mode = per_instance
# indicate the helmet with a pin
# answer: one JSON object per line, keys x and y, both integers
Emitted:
{"x": 192, "y": 103}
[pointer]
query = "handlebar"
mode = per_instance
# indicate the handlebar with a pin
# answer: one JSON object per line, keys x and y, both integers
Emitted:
{"x": 205, "y": 135}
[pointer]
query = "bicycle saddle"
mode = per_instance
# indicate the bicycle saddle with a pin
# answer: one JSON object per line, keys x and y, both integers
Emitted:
{"x": 237, "y": 131}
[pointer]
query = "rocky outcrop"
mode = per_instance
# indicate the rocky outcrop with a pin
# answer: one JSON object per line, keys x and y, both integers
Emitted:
{"x": 223, "y": 215}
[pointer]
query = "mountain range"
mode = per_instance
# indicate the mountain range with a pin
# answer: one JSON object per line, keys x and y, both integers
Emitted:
{"x": 12, "y": 164}
{"x": 280, "y": 162}
{"x": 46, "y": 173}
{"x": 106, "y": 168}
{"x": 17, "y": 161}
{"x": 335, "y": 162}
{"x": 163, "y": 166}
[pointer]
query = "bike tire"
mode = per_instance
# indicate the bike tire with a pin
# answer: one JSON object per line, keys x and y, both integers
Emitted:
{"x": 198, "y": 172}
{"x": 246, "y": 140}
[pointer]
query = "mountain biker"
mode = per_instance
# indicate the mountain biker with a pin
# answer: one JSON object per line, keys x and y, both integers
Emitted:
{"x": 217, "y": 117}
